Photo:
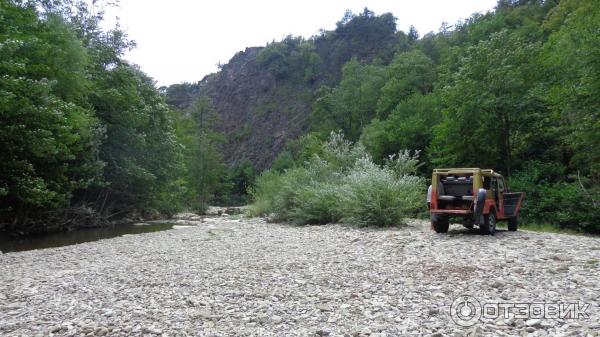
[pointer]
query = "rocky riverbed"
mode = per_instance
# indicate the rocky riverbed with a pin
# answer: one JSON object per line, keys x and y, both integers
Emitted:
{"x": 245, "y": 277}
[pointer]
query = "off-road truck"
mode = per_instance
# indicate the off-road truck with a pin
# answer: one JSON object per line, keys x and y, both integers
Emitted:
{"x": 475, "y": 196}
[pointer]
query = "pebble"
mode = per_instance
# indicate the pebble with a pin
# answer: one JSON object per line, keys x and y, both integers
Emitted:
{"x": 243, "y": 276}
{"x": 101, "y": 331}
{"x": 498, "y": 284}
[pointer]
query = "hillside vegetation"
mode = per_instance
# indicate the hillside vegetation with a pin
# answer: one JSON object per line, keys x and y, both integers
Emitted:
{"x": 514, "y": 90}
{"x": 87, "y": 137}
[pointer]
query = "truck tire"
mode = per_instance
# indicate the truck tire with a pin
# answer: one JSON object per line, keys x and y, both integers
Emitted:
{"x": 440, "y": 223}
{"x": 512, "y": 224}
{"x": 488, "y": 227}
{"x": 479, "y": 203}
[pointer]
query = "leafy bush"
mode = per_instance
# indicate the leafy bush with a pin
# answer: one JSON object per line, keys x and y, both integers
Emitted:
{"x": 372, "y": 195}
{"x": 550, "y": 200}
{"x": 342, "y": 183}
{"x": 317, "y": 203}
{"x": 275, "y": 193}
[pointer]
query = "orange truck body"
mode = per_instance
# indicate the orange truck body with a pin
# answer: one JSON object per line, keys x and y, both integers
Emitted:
{"x": 472, "y": 194}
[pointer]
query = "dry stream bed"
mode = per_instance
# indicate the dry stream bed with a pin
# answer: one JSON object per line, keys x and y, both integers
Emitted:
{"x": 243, "y": 277}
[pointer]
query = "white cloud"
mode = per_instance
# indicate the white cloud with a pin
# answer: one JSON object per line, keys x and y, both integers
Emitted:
{"x": 183, "y": 40}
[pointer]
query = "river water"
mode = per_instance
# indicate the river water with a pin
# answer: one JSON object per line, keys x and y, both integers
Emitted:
{"x": 59, "y": 239}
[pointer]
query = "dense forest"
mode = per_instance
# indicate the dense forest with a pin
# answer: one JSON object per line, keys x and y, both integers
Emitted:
{"x": 86, "y": 137}
{"x": 369, "y": 110}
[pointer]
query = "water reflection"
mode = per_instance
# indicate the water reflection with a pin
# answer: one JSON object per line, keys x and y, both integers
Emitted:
{"x": 17, "y": 244}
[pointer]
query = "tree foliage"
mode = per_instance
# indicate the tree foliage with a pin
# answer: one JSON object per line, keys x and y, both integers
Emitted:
{"x": 409, "y": 73}
{"x": 515, "y": 90}
{"x": 83, "y": 131}
{"x": 49, "y": 134}
{"x": 292, "y": 58}
{"x": 492, "y": 108}
{"x": 351, "y": 105}
{"x": 408, "y": 126}
{"x": 204, "y": 167}
{"x": 572, "y": 58}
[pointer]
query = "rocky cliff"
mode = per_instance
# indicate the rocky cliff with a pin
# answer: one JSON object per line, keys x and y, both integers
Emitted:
{"x": 258, "y": 112}
{"x": 263, "y": 95}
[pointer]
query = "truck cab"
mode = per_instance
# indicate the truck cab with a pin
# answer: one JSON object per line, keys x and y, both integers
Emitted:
{"x": 476, "y": 197}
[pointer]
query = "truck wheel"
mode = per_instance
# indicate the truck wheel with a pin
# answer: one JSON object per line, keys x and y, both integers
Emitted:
{"x": 512, "y": 224}
{"x": 488, "y": 227}
{"x": 440, "y": 224}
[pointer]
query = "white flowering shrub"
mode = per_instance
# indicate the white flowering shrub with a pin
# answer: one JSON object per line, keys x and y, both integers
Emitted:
{"x": 404, "y": 163}
{"x": 339, "y": 153}
{"x": 343, "y": 184}
{"x": 374, "y": 195}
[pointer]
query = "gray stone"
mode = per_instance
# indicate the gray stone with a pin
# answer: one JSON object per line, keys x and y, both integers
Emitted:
{"x": 498, "y": 284}
{"x": 103, "y": 331}
{"x": 323, "y": 307}
{"x": 55, "y": 328}
{"x": 226, "y": 276}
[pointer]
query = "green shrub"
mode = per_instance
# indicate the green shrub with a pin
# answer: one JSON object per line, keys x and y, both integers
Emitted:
{"x": 372, "y": 195}
{"x": 551, "y": 200}
{"x": 317, "y": 203}
{"x": 275, "y": 193}
{"x": 341, "y": 182}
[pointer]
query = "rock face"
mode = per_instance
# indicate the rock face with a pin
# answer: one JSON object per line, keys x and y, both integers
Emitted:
{"x": 263, "y": 104}
{"x": 257, "y": 112}
{"x": 245, "y": 277}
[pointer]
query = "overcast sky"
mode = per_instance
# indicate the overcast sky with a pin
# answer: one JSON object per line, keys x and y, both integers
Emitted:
{"x": 184, "y": 40}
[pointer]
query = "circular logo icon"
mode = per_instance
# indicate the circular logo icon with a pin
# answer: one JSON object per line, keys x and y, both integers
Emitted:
{"x": 465, "y": 310}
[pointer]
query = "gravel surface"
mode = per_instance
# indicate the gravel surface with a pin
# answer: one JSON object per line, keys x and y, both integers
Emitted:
{"x": 246, "y": 277}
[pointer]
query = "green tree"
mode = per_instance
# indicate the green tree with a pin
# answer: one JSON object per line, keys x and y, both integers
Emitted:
{"x": 141, "y": 151}
{"x": 203, "y": 179}
{"x": 292, "y": 58}
{"x": 492, "y": 111}
{"x": 572, "y": 58}
{"x": 364, "y": 36}
{"x": 413, "y": 34}
{"x": 49, "y": 135}
{"x": 241, "y": 176}
{"x": 408, "y": 127}
{"x": 351, "y": 105}
{"x": 409, "y": 73}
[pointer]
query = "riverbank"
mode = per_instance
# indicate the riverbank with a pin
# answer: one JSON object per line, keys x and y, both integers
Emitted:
{"x": 228, "y": 276}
